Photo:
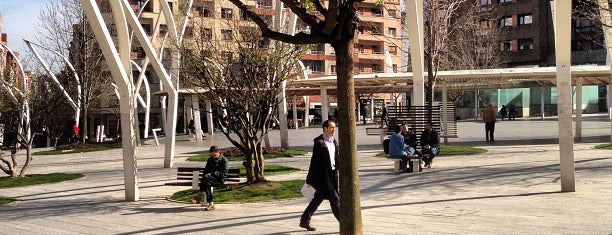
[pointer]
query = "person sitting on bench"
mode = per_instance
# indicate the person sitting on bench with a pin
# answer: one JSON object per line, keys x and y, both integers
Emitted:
{"x": 214, "y": 174}
{"x": 410, "y": 139}
{"x": 429, "y": 144}
{"x": 397, "y": 149}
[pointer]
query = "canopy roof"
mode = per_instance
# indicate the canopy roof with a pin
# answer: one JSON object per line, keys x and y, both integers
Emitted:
{"x": 457, "y": 80}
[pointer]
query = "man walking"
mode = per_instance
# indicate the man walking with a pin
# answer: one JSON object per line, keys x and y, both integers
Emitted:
{"x": 489, "y": 119}
{"x": 323, "y": 174}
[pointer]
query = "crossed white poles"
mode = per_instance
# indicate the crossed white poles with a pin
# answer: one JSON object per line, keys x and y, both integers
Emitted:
{"x": 25, "y": 107}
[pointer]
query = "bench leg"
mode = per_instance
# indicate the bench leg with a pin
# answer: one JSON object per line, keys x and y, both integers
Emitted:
{"x": 396, "y": 166}
{"x": 195, "y": 180}
{"x": 416, "y": 165}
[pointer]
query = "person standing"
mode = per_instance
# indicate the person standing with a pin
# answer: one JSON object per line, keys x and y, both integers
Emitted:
{"x": 512, "y": 112}
{"x": 489, "y": 119}
{"x": 214, "y": 174}
{"x": 429, "y": 144}
{"x": 323, "y": 174}
{"x": 503, "y": 112}
{"x": 75, "y": 132}
{"x": 383, "y": 116}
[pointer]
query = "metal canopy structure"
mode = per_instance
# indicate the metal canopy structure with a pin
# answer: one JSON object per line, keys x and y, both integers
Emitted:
{"x": 457, "y": 80}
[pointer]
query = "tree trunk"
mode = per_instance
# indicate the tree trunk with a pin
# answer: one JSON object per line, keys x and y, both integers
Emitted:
{"x": 26, "y": 165}
{"x": 84, "y": 126}
{"x": 350, "y": 202}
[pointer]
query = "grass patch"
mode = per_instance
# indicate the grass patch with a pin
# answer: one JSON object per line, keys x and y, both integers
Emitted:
{"x": 287, "y": 153}
{"x": 271, "y": 169}
{"x": 6, "y": 200}
{"x": 8, "y": 182}
{"x": 450, "y": 150}
{"x": 79, "y": 148}
{"x": 607, "y": 146}
{"x": 260, "y": 192}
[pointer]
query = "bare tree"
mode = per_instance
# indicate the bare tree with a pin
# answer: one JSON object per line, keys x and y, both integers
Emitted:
{"x": 15, "y": 116}
{"x": 64, "y": 29}
{"x": 243, "y": 74}
{"x": 333, "y": 22}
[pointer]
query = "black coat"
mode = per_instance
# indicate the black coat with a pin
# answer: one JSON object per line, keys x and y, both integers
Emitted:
{"x": 320, "y": 175}
{"x": 218, "y": 168}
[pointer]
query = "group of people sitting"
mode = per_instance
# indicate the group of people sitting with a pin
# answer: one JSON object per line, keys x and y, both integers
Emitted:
{"x": 403, "y": 145}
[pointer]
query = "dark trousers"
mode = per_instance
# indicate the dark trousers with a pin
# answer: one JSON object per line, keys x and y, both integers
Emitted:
{"x": 334, "y": 202}
{"x": 206, "y": 184}
{"x": 489, "y": 130}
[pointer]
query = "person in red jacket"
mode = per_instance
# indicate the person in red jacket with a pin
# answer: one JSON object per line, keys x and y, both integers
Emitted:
{"x": 75, "y": 132}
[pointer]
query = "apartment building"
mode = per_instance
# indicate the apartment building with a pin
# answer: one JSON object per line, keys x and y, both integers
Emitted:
{"x": 528, "y": 34}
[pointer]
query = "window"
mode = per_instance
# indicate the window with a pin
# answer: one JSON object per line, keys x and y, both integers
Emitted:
{"x": 525, "y": 19}
{"x": 226, "y": 34}
{"x": 506, "y": 46}
{"x": 361, "y": 67}
{"x": 147, "y": 7}
{"x": 244, "y": 16}
{"x": 162, "y": 30}
{"x": 147, "y": 28}
{"x": 226, "y": 13}
{"x": 376, "y": 12}
{"x": 505, "y": 1}
{"x": 360, "y": 29}
{"x": 333, "y": 69}
{"x": 392, "y": 32}
{"x": 394, "y": 66}
{"x": 375, "y": 30}
{"x": 393, "y": 50}
{"x": 375, "y": 68}
{"x": 484, "y": 5}
{"x": 361, "y": 49}
{"x": 525, "y": 44}
{"x": 205, "y": 11}
{"x": 505, "y": 21}
{"x": 392, "y": 13}
{"x": 170, "y": 6}
{"x": 376, "y": 49}
{"x": 206, "y": 33}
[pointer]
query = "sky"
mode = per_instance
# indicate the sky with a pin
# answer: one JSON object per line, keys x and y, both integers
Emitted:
{"x": 19, "y": 18}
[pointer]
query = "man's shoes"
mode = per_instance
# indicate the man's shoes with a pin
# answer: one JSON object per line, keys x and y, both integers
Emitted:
{"x": 209, "y": 207}
{"x": 307, "y": 226}
{"x": 195, "y": 200}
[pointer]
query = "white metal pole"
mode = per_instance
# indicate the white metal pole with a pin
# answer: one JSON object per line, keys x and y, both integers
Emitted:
{"x": 578, "y": 136}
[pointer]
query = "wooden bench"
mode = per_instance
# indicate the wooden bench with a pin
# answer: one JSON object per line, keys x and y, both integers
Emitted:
{"x": 190, "y": 176}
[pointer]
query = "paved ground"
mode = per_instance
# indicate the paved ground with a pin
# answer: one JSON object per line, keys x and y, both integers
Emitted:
{"x": 514, "y": 189}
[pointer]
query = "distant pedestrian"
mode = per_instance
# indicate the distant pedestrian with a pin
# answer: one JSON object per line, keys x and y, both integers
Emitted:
{"x": 512, "y": 112}
{"x": 323, "y": 174}
{"x": 503, "y": 112}
{"x": 75, "y": 132}
{"x": 191, "y": 127}
{"x": 489, "y": 119}
{"x": 383, "y": 116}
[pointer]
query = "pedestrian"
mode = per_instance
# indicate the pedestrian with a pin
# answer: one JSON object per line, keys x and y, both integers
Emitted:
{"x": 512, "y": 112}
{"x": 383, "y": 116}
{"x": 75, "y": 132}
{"x": 503, "y": 112}
{"x": 191, "y": 127}
{"x": 429, "y": 144}
{"x": 214, "y": 174}
{"x": 488, "y": 117}
{"x": 323, "y": 174}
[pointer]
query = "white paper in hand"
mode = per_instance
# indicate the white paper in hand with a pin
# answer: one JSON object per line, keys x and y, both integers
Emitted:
{"x": 308, "y": 191}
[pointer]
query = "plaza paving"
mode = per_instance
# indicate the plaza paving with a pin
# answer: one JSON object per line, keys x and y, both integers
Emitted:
{"x": 513, "y": 189}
